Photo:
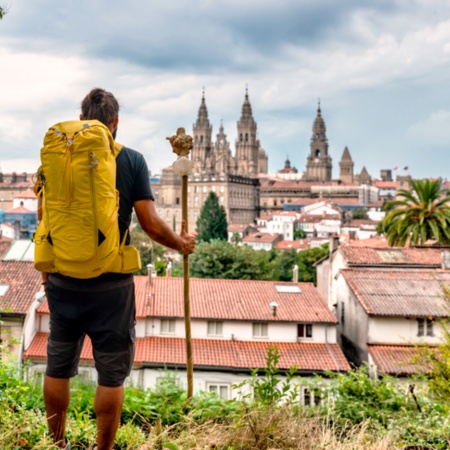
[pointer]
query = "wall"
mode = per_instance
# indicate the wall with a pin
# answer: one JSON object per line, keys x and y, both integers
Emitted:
{"x": 395, "y": 330}
{"x": 353, "y": 332}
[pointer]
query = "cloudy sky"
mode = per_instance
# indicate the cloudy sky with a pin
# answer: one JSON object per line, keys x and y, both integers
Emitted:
{"x": 381, "y": 69}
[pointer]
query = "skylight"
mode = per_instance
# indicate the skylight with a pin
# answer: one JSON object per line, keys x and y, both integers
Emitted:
{"x": 3, "y": 289}
{"x": 288, "y": 288}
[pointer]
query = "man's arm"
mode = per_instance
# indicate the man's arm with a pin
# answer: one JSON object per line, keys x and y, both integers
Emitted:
{"x": 160, "y": 232}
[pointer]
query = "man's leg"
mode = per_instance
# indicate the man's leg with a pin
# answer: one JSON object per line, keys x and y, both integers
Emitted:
{"x": 108, "y": 407}
{"x": 56, "y": 398}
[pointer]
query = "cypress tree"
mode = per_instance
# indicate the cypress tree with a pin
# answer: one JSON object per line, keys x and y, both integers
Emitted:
{"x": 212, "y": 221}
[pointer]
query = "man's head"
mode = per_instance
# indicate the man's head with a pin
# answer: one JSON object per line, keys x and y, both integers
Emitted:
{"x": 101, "y": 105}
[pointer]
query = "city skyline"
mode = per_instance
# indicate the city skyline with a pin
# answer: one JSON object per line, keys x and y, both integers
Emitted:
{"x": 379, "y": 69}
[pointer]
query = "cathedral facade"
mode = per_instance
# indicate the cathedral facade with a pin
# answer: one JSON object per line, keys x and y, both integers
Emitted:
{"x": 234, "y": 178}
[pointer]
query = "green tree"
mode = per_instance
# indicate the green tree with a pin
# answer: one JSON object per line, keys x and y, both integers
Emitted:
{"x": 151, "y": 252}
{"x": 417, "y": 216}
{"x": 360, "y": 213}
{"x": 2, "y": 12}
{"x": 236, "y": 238}
{"x": 305, "y": 260}
{"x": 212, "y": 222}
{"x": 299, "y": 233}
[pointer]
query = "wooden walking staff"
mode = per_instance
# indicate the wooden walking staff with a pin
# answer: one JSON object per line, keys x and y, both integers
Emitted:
{"x": 182, "y": 145}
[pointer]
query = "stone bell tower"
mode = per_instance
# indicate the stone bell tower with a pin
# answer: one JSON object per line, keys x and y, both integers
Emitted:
{"x": 318, "y": 165}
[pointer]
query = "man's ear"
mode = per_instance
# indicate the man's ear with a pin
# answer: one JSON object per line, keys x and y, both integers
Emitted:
{"x": 115, "y": 122}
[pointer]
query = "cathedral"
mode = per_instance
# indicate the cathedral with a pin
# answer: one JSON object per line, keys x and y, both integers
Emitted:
{"x": 241, "y": 180}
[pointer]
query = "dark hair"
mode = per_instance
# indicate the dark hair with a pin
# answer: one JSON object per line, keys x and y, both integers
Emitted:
{"x": 100, "y": 105}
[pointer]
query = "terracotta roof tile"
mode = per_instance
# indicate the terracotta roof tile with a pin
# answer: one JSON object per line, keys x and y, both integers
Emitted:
{"x": 296, "y": 245}
{"x": 29, "y": 193}
{"x": 392, "y": 256}
{"x": 5, "y": 243}
{"x": 399, "y": 293}
{"x": 374, "y": 241}
{"x": 245, "y": 300}
{"x": 20, "y": 209}
{"x": 161, "y": 352}
{"x": 24, "y": 282}
{"x": 396, "y": 359}
{"x": 267, "y": 238}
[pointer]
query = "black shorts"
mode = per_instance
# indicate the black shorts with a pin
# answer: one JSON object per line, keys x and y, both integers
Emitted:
{"x": 106, "y": 312}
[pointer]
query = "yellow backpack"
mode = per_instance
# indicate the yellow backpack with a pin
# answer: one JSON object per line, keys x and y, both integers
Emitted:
{"x": 79, "y": 235}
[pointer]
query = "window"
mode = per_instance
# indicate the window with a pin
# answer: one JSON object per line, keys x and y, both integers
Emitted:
{"x": 205, "y": 188}
{"x": 304, "y": 330}
{"x": 167, "y": 326}
{"x": 222, "y": 390}
{"x": 177, "y": 201}
{"x": 342, "y": 313}
{"x": 310, "y": 397}
{"x": 195, "y": 189}
{"x": 215, "y": 328}
{"x": 213, "y": 188}
{"x": 260, "y": 330}
{"x": 425, "y": 327}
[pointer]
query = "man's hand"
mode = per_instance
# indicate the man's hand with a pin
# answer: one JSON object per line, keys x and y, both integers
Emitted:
{"x": 189, "y": 240}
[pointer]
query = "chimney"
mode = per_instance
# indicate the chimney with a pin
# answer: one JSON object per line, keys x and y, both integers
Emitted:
{"x": 151, "y": 273}
{"x": 169, "y": 269}
{"x": 16, "y": 230}
{"x": 445, "y": 259}
{"x": 295, "y": 274}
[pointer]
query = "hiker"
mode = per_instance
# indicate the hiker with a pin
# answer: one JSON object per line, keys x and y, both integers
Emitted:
{"x": 103, "y": 307}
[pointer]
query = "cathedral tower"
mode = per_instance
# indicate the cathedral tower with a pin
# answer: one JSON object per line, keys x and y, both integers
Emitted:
{"x": 247, "y": 144}
{"x": 318, "y": 165}
{"x": 202, "y": 154}
{"x": 346, "y": 167}
{"x": 224, "y": 161}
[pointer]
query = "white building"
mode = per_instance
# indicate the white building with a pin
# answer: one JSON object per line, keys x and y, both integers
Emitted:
{"x": 233, "y": 324}
{"x": 386, "y": 301}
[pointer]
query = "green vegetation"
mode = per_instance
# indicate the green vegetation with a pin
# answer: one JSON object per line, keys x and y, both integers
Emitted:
{"x": 360, "y": 213}
{"x": 417, "y": 216}
{"x": 218, "y": 259}
{"x": 354, "y": 411}
{"x": 212, "y": 221}
{"x": 299, "y": 234}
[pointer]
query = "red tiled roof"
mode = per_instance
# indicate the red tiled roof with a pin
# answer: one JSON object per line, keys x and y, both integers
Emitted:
{"x": 361, "y": 222}
{"x": 24, "y": 282}
{"x": 296, "y": 245}
{"x": 392, "y": 256}
{"x": 396, "y": 359}
{"x": 239, "y": 227}
{"x": 267, "y": 238}
{"x": 20, "y": 209}
{"x": 385, "y": 184}
{"x": 245, "y": 300}
{"x": 399, "y": 293}
{"x": 29, "y": 193}
{"x": 374, "y": 241}
{"x": 160, "y": 351}
{"x": 4, "y": 245}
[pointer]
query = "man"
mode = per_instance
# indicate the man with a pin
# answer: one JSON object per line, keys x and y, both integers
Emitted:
{"x": 102, "y": 307}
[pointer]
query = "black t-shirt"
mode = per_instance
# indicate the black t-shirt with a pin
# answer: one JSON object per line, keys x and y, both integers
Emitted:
{"x": 133, "y": 184}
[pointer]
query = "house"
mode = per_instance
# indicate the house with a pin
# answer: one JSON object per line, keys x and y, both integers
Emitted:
{"x": 386, "y": 301}
{"x": 298, "y": 245}
{"x": 20, "y": 288}
{"x": 361, "y": 228}
{"x": 241, "y": 230}
{"x": 384, "y": 313}
{"x": 233, "y": 324}
{"x": 262, "y": 241}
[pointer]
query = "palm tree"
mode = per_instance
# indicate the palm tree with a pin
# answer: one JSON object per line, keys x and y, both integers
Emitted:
{"x": 417, "y": 216}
